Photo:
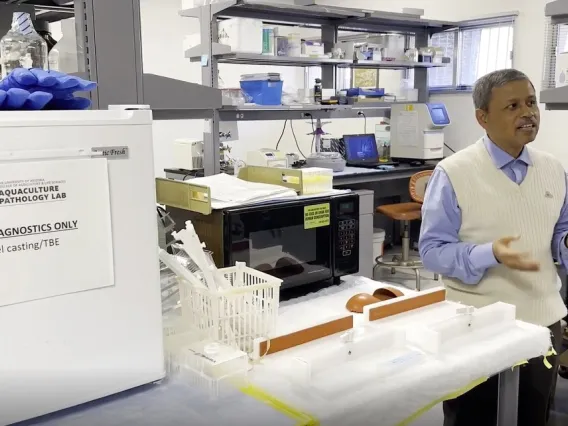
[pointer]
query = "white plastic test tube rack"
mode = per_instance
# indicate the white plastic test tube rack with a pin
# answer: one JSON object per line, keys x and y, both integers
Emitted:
{"x": 437, "y": 337}
{"x": 322, "y": 359}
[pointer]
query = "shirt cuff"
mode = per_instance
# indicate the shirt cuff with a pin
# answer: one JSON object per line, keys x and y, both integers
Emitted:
{"x": 482, "y": 257}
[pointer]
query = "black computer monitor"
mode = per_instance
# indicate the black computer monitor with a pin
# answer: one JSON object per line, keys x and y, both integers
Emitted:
{"x": 361, "y": 148}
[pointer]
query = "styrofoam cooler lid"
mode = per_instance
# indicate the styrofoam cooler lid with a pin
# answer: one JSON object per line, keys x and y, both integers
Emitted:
{"x": 378, "y": 234}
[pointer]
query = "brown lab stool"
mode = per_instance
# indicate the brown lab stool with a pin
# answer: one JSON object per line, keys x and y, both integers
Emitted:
{"x": 406, "y": 213}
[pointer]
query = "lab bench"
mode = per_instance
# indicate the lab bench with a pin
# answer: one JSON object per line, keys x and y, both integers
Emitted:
{"x": 183, "y": 399}
{"x": 349, "y": 176}
{"x": 360, "y": 175}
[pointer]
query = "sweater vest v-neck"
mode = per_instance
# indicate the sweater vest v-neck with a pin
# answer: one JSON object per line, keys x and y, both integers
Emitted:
{"x": 493, "y": 206}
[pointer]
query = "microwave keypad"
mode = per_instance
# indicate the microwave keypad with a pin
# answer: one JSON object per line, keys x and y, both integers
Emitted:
{"x": 347, "y": 229}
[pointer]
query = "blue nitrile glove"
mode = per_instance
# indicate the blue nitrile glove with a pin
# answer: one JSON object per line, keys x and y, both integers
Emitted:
{"x": 20, "y": 99}
{"x": 48, "y": 81}
{"x": 60, "y": 85}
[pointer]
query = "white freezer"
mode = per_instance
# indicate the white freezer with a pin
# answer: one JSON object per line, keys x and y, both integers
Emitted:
{"x": 65, "y": 350}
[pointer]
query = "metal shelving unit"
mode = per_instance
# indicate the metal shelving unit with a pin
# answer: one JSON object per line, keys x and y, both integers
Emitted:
{"x": 257, "y": 113}
{"x": 257, "y": 59}
{"x": 307, "y": 13}
{"x": 110, "y": 53}
{"x": 109, "y": 32}
{"x": 109, "y": 40}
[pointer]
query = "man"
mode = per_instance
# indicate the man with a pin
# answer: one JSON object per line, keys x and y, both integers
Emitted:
{"x": 495, "y": 215}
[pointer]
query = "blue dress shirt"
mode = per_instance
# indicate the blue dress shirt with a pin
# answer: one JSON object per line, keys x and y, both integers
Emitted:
{"x": 440, "y": 247}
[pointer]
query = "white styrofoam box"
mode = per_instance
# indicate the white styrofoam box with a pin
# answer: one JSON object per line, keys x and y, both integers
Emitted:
{"x": 439, "y": 336}
{"x": 90, "y": 344}
{"x": 561, "y": 75}
{"x": 241, "y": 34}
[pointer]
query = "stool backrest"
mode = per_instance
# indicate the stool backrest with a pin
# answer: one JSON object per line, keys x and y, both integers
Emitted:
{"x": 417, "y": 185}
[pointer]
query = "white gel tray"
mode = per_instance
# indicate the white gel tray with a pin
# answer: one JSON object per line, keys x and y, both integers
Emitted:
{"x": 345, "y": 363}
{"x": 437, "y": 337}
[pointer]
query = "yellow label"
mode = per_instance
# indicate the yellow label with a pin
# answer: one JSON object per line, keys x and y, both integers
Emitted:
{"x": 316, "y": 216}
{"x": 409, "y": 108}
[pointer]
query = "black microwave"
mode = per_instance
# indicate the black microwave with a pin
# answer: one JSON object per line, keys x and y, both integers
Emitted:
{"x": 300, "y": 241}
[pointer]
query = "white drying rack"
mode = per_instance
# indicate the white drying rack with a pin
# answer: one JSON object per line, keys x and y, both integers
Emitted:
{"x": 237, "y": 315}
{"x": 233, "y": 305}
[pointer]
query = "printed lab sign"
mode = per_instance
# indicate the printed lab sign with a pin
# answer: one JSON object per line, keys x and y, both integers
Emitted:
{"x": 316, "y": 215}
{"x": 55, "y": 229}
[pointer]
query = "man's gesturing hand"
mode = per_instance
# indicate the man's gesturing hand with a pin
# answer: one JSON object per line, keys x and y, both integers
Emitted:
{"x": 511, "y": 258}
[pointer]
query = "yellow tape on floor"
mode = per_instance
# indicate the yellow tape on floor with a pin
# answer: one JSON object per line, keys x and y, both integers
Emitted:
{"x": 302, "y": 419}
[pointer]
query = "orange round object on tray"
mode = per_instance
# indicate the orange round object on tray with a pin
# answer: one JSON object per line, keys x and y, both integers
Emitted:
{"x": 357, "y": 302}
{"x": 387, "y": 293}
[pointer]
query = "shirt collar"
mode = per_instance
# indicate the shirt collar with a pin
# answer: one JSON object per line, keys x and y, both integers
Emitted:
{"x": 501, "y": 158}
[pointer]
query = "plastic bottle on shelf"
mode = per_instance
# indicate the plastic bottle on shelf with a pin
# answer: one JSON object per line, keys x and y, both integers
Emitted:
{"x": 318, "y": 92}
{"x": 382, "y": 134}
{"x": 22, "y": 46}
{"x": 294, "y": 45}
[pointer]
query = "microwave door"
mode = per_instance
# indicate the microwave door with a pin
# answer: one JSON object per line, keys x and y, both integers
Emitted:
{"x": 275, "y": 240}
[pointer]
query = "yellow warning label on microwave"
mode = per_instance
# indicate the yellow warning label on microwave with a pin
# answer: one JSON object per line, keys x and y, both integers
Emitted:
{"x": 316, "y": 215}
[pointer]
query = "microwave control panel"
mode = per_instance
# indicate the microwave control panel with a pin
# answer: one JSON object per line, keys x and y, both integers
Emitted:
{"x": 346, "y": 236}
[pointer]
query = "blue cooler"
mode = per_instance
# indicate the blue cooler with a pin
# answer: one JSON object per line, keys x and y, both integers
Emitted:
{"x": 263, "y": 92}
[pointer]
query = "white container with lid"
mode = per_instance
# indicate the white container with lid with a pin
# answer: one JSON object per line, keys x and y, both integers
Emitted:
{"x": 378, "y": 243}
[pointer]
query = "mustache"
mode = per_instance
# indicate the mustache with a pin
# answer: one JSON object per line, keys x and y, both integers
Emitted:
{"x": 527, "y": 121}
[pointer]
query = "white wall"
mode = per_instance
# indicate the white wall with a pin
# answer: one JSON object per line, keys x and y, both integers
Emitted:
{"x": 164, "y": 33}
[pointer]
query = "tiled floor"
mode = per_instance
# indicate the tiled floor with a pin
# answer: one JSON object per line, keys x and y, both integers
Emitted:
{"x": 434, "y": 417}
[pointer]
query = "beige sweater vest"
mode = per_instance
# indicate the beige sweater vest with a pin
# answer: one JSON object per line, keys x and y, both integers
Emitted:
{"x": 493, "y": 206}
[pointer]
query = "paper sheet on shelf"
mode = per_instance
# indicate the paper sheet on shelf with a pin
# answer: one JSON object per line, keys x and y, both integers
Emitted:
{"x": 229, "y": 191}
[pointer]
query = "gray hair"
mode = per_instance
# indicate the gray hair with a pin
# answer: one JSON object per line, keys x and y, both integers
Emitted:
{"x": 485, "y": 85}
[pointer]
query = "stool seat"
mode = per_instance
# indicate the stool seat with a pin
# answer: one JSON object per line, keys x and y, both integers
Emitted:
{"x": 401, "y": 211}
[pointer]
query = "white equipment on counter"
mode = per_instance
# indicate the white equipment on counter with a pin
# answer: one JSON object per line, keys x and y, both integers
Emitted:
{"x": 74, "y": 343}
{"x": 417, "y": 131}
{"x": 326, "y": 160}
{"x": 267, "y": 157}
{"x": 188, "y": 154}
